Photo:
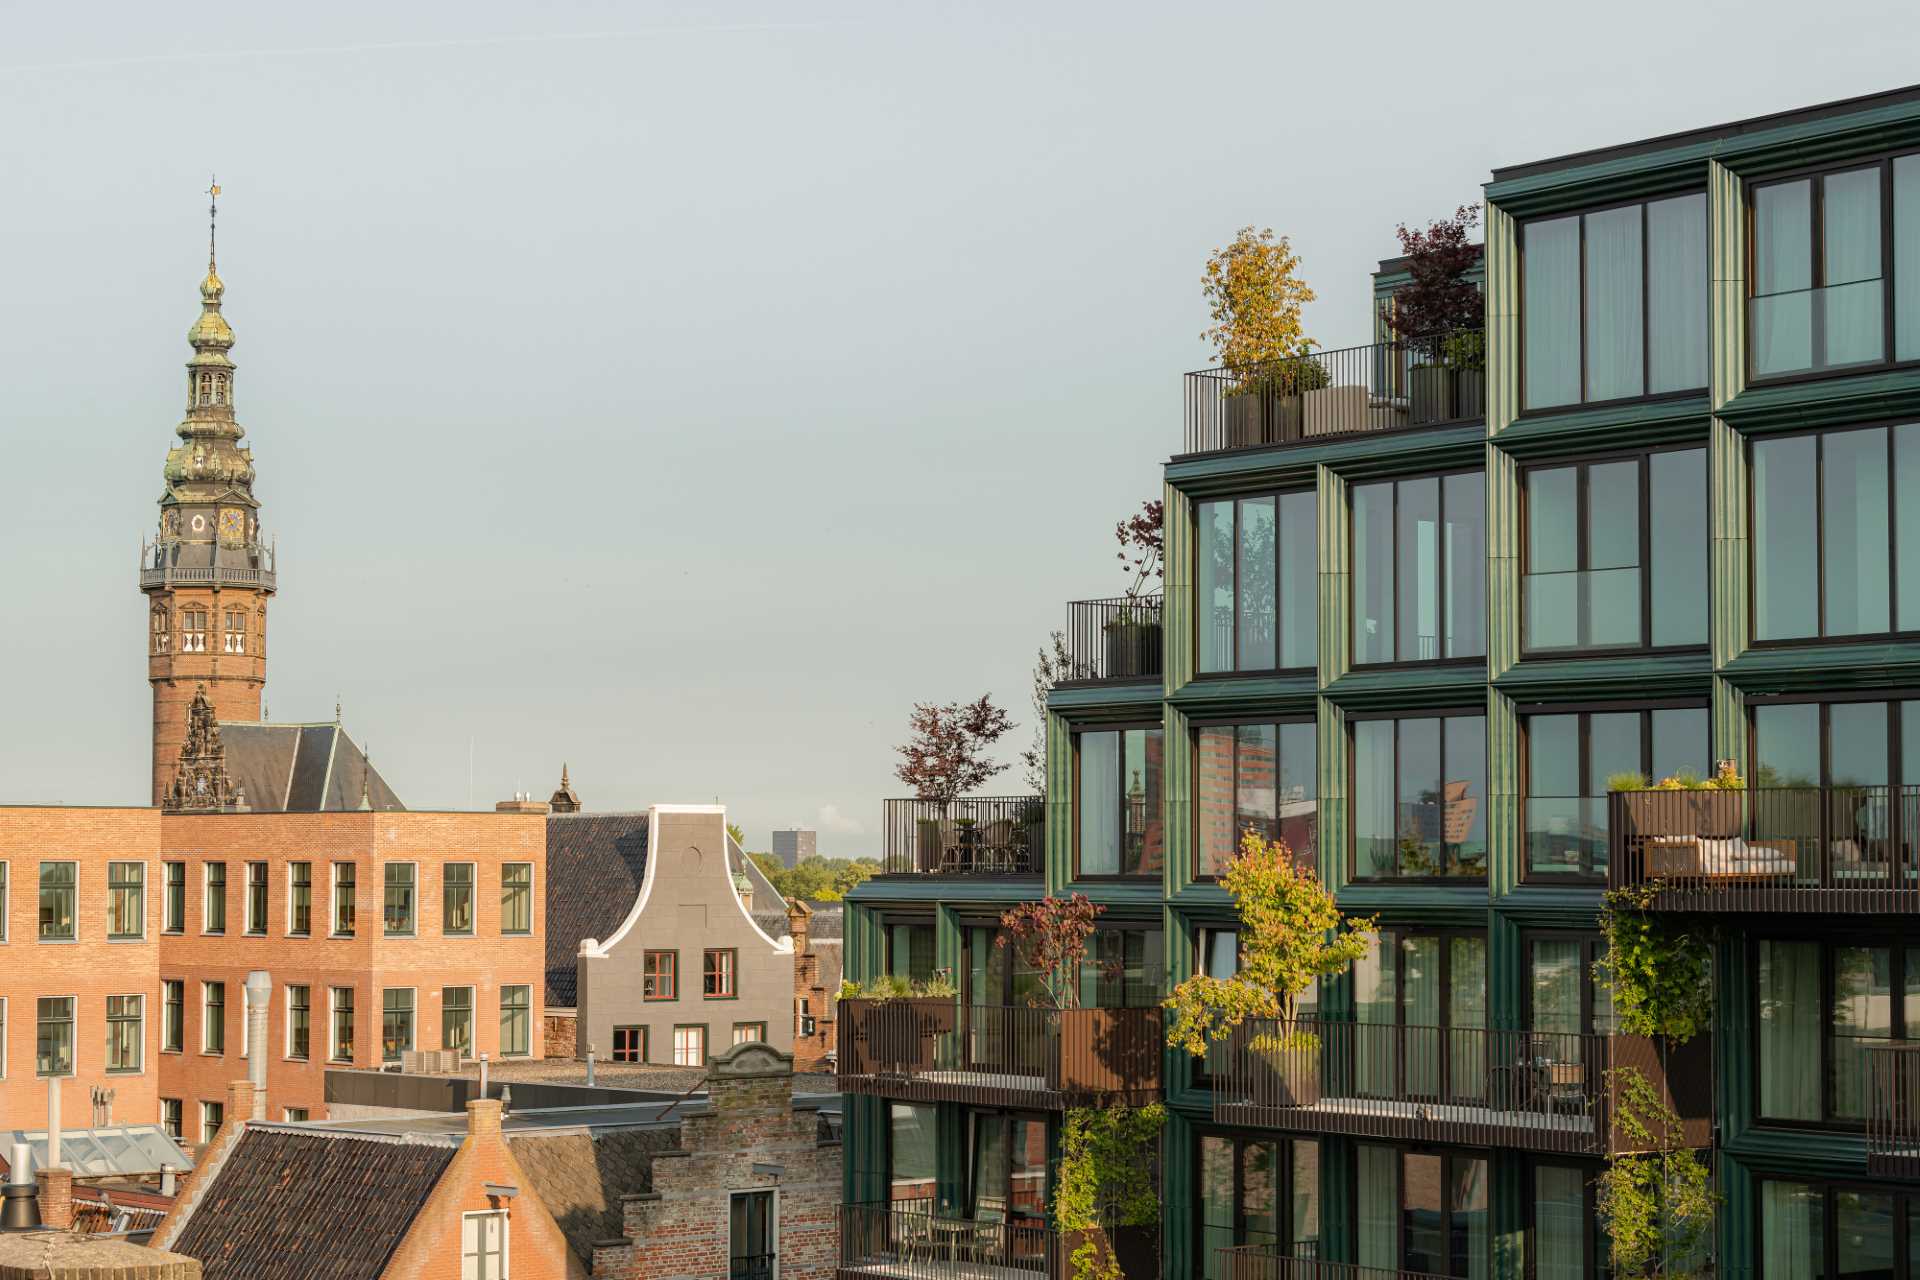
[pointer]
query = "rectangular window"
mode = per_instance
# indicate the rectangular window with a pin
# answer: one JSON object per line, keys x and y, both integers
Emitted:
{"x": 717, "y": 974}
{"x": 1814, "y": 1229}
{"x": 173, "y": 1015}
{"x": 516, "y": 898}
{"x": 659, "y": 975}
{"x": 1256, "y": 566}
{"x": 399, "y": 899}
{"x": 911, "y": 1152}
{"x": 630, "y": 1044}
{"x": 516, "y": 1020}
{"x": 1821, "y": 1005}
{"x": 126, "y": 1032}
{"x": 1564, "y": 998}
{"x": 215, "y": 918}
{"x": 1261, "y": 1192}
{"x": 1820, "y": 263}
{"x": 1419, "y": 797}
{"x": 256, "y": 921}
{"x": 1575, "y": 759}
{"x": 1420, "y": 569}
{"x": 750, "y": 1235}
{"x": 456, "y": 892}
{"x": 213, "y": 1017}
{"x": 1117, "y": 805}
{"x": 749, "y": 1032}
{"x": 345, "y": 886}
{"x": 59, "y": 889}
{"x": 53, "y": 1054}
{"x": 212, "y": 1116}
{"x": 294, "y": 1115}
{"x": 908, "y": 949}
{"x": 1423, "y": 1212}
{"x": 126, "y": 899}
{"x": 690, "y": 1046}
{"x": 340, "y": 999}
{"x": 396, "y": 1022}
{"x": 1614, "y": 303}
{"x": 1409, "y": 992}
{"x": 456, "y": 1020}
{"x": 483, "y": 1245}
{"x": 1255, "y": 777}
{"x": 170, "y": 1119}
{"x": 176, "y": 897}
{"x": 299, "y": 1020}
{"x": 299, "y": 899}
{"x": 4, "y": 903}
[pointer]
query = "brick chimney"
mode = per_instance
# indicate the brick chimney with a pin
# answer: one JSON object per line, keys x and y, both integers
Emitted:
{"x": 483, "y": 1119}
{"x": 56, "y": 1198}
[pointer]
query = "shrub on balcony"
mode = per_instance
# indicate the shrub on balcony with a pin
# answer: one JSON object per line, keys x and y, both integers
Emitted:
{"x": 1108, "y": 1158}
{"x": 1255, "y": 294}
{"x": 1438, "y": 300}
{"x": 1051, "y": 936}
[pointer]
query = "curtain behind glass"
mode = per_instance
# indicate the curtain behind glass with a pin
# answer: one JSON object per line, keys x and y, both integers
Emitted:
{"x": 910, "y": 1152}
{"x": 1614, "y": 304}
{"x": 1556, "y": 985}
{"x": 1853, "y": 544}
{"x": 1213, "y": 797}
{"x": 1553, "y": 557}
{"x": 1906, "y": 479}
{"x": 1256, "y": 587}
{"x": 1376, "y": 1008}
{"x": 1299, "y": 779}
{"x": 1559, "y": 1209}
{"x": 1792, "y": 1231}
{"x": 1100, "y": 804}
{"x": 1216, "y": 1204}
{"x": 1906, "y": 258}
{"x": 990, "y": 1156}
{"x": 1418, "y": 549}
{"x": 1466, "y": 1016}
{"x": 1790, "y": 1031}
{"x": 1550, "y": 309}
{"x": 1373, "y": 573}
{"x": 1373, "y": 799}
{"x": 1862, "y": 1015}
{"x": 1213, "y": 588}
{"x": 1785, "y": 542}
{"x": 1304, "y": 1217}
{"x": 1852, "y": 299}
{"x": 1420, "y": 1007}
{"x": 1465, "y": 556}
{"x": 1467, "y": 1205}
{"x": 1377, "y": 1188}
{"x": 1677, "y": 519}
{"x": 1260, "y": 1193}
{"x": 1677, "y": 294}
{"x": 1781, "y": 334}
{"x": 1299, "y": 578}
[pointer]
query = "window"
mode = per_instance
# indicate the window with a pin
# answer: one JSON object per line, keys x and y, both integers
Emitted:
{"x": 456, "y": 892}
{"x": 59, "y": 887}
{"x": 345, "y": 885}
{"x": 299, "y": 899}
{"x": 53, "y": 1054}
{"x": 1616, "y": 553}
{"x": 1217, "y": 954}
{"x": 1820, "y": 1006}
{"x": 193, "y": 631}
{"x": 396, "y": 1022}
{"x": 659, "y": 975}
{"x": 256, "y": 898}
{"x": 1420, "y": 569}
{"x": 1257, "y": 1191}
{"x": 236, "y": 631}
{"x": 162, "y": 642}
{"x": 1007, "y": 1167}
{"x": 717, "y": 974}
{"x": 299, "y": 1020}
{"x": 341, "y": 1000}
{"x": 749, "y": 1032}
{"x": 690, "y": 1046}
{"x": 3, "y": 1037}
{"x": 1409, "y": 992}
{"x": 1419, "y": 787}
{"x": 176, "y": 898}
{"x": 126, "y": 1032}
{"x": 516, "y": 1020}
{"x": 1124, "y": 968}
{"x": 1614, "y": 303}
{"x": 1563, "y": 997}
{"x": 173, "y": 1015}
{"x": 483, "y": 1245}
{"x": 456, "y": 1020}
{"x": 516, "y": 897}
{"x": 213, "y": 1017}
{"x": 399, "y": 899}
{"x": 1422, "y": 1212}
{"x": 908, "y": 949}
{"x": 215, "y": 919}
{"x": 1570, "y": 757}
{"x": 212, "y": 1116}
{"x": 630, "y": 1044}
{"x": 1256, "y": 573}
{"x": 1821, "y": 259}
{"x": 1258, "y": 777}
{"x": 750, "y": 1235}
{"x": 1815, "y": 1229}
{"x": 1117, "y": 809}
{"x": 170, "y": 1119}
{"x": 1561, "y": 1246}
{"x": 126, "y": 899}
{"x": 294, "y": 1115}
{"x": 911, "y": 1149}
{"x": 1857, "y": 752}
{"x": 4, "y": 903}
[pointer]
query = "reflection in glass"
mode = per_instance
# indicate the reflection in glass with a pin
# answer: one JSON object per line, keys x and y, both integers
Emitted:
{"x": 1464, "y": 566}
{"x": 1792, "y": 1231}
{"x": 1785, "y": 581}
{"x": 1677, "y": 294}
{"x": 1553, "y": 558}
{"x": 1373, "y": 626}
{"x": 1850, "y": 235}
{"x": 1790, "y": 1030}
{"x": 1614, "y": 310}
{"x": 1256, "y": 588}
{"x": 1862, "y": 1014}
{"x": 1550, "y": 283}
{"x": 1418, "y": 606}
{"x": 1677, "y": 537}
{"x": 910, "y": 1152}
{"x": 1213, "y": 569}
{"x": 1853, "y": 470}
{"x": 1299, "y": 578}
{"x": 1099, "y": 804}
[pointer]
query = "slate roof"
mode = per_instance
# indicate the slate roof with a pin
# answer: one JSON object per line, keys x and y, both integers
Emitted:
{"x": 581, "y": 1177}
{"x": 595, "y": 865}
{"x": 828, "y": 920}
{"x": 301, "y": 768}
{"x": 830, "y": 954}
{"x": 309, "y": 1204}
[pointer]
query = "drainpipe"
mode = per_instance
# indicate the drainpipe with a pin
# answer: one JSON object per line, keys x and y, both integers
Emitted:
{"x": 259, "y": 992}
{"x": 53, "y": 1122}
{"x": 483, "y": 1075}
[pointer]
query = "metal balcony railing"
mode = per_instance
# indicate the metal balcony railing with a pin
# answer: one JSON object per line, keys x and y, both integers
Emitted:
{"x": 1825, "y": 849}
{"x": 1116, "y": 639}
{"x": 1263, "y": 1262}
{"x": 1384, "y": 386}
{"x": 910, "y": 1240}
{"x": 974, "y": 835}
{"x": 1893, "y": 1109}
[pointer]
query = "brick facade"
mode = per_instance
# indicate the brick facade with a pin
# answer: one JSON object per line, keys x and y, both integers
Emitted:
{"x": 810, "y": 995}
{"x": 561, "y": 1034}
{"x": 233, "y": 681}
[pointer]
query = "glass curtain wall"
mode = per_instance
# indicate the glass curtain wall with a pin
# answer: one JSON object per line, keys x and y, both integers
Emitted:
{"x": 1256, "y": 572}
{"x": 1419, "y": 569}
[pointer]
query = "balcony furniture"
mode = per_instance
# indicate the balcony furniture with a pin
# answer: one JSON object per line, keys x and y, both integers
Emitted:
{"x": 1726, "y": 858}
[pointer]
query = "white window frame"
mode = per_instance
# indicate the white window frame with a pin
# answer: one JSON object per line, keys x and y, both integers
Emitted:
{"x": 533, "y": 901}
{"x": 333, "y": 1014}
{"x": 473, "y": 900}
{"x": 206, "y": 986}
{"x": 773, "y": 1222}
{"x": 473, "y": 1018}
{"x": 286, "y": 1028}
{"x": 308, "y": 864}
{"x": 38, "y": 889}
{"x": 287, "y": 1116}
{"x": 206, "y": 1137}
{"x": 6, "y": 889}
{"x": 333, "y": 899}
{"x": 504, "y": 988}
{"x": 3, "y": 1037}
{"x": 206, "y": 897}
{"x": 74, "y": 1045}
{"x": 249, "y": 927}
{"x": 180, "y": 1103}
{"x": 164, "y": 984}
{"x": 413, "y": 1023}
{"x": 414, "y": 931}
{"x": 505, "y": 1219}
{"x": 145, "y": 905}
{"x": 166, "y": 925}
{"x": 139, "y": 1068}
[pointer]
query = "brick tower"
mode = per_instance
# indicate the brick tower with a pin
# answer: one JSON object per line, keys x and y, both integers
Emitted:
{"x": 208, "y": 574}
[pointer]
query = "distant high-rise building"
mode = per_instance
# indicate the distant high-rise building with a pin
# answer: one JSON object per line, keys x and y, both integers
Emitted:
{"x": 793, "y": 845}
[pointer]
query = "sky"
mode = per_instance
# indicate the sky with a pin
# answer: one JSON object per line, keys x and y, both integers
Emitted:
{"x": 682, "y": 392}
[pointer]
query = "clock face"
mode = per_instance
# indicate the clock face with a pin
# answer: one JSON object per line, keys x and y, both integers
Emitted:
{"x": 199, "y": 523}
{"x": 233, "y": 525}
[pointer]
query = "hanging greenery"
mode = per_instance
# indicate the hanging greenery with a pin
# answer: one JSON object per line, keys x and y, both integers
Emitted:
{"x": 1660, "y": 971}
{"x": 1107, "y": 1163}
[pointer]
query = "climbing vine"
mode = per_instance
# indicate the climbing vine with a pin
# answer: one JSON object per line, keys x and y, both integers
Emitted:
{"x": 1107, "y": 1163}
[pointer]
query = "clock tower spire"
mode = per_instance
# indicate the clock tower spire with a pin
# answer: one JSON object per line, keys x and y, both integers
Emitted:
{"x": 208, "y": 573}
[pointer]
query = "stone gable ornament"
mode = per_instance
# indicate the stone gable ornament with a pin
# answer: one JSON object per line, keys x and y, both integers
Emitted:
{"x": 201, "y": 784}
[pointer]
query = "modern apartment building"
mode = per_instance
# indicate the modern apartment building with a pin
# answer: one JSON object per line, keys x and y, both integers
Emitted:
{"x": 1417, "y": 614}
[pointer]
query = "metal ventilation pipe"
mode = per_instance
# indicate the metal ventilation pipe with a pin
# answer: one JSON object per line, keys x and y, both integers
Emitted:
{"x": 20, "y": 1210}
{"x": 259, "y": 992}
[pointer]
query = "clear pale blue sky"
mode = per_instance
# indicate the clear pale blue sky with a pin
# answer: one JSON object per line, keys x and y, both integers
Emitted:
{"x": 684, "y": 390}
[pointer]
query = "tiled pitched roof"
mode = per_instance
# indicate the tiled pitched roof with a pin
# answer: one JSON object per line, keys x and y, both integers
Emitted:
{"x": 309, "y": 1205}
{"x": 595, "y": 865}
{"x": 302, "y": 768}
{"x": 581, "y": 1177}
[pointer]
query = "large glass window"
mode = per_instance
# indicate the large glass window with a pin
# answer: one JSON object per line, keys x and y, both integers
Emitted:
{"x": 1258, "y": 1191}
{"x": 456, "y": 891}
{"x": 126, "y": 1032}
{"x": 1256, "y": 572}
{"x": 516, "y": 1020}
{"x": 1820, "y": 263}
{"x": 1121, "y": 828}
{"x": 53, "y": 1037}
{"x": 399, "y": 899}
{"x": 1421, "y": 1212}
{"x": 1821, "y": 1005}
{"x": 1563, "y": 996}
{"x": 1616, "y": 553}
{"x": 909, "y": 949}
{"x": 1419, "y": 797}
{"x": 1562, "y": 1247}
{"x": 1420, "y": 998}
{"x": 1574, "y": 759}
{"x": 1420, "y": 569}
{"x": 1007, "y": 1169}
{"x": 396, "y": 1022}
{"x": 1814, "y": 1230}
{"x": 911, "y": 1147}
{"x": 1259, "y": 777}
{"x": 126, "y": 899}
{"x": 516, "y": 898}
{"x": 59, "y": 889}
{"x": 456, "y": 1020}
{"x": 1123, "y": 969}
{"x": 1614, "y": 303}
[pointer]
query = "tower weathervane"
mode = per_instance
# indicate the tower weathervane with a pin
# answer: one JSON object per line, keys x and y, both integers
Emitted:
{"x": 213, "y": 213}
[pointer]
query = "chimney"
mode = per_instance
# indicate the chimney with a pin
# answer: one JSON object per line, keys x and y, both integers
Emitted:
{"x": 483, "y": 1118}
{"x": 259, "y": 992}
{"x": 239, "y": 1105}
{"x": 21, "y": 1211}
{"x": 798, "y": 914}
{"x": 56, "y": 1199}
{"x": 521, "y": 804}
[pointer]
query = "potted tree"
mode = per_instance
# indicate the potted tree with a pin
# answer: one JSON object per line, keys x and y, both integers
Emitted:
{"x": 943, "y": 758}
{"x": 1255, "y": 297}
{"x": 1131, "y": 637}
{"x": 1432, "y": 314}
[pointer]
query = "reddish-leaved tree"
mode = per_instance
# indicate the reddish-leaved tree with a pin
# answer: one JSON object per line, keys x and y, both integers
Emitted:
{"x": 1143, "y": 545}
{"x": 946, "y": 756}
{"x": 1438, "y": 299}
{"x": 1051, "y": 936}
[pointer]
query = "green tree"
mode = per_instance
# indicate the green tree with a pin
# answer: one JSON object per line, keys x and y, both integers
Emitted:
{"x": 739, "y": 834}
{"x": 1255, "y": 293}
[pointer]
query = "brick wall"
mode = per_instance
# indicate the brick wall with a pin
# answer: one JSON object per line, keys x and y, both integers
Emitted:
{"x": 560, "y": 1036}
{"x": 233, "y": 681}
{"x": 809, "y": 1052}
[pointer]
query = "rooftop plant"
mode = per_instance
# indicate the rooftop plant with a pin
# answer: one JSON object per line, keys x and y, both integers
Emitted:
{"x": 1255, "y": 294}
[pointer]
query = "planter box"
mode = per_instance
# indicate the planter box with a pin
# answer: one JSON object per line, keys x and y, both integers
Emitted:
{"x": 1469, "y": 393}
{"x": 1333, "y": 411}
{"x": 1430, "y": 392}
{"x": 1131, "y": 649}
{"x": 1246, "y": 419}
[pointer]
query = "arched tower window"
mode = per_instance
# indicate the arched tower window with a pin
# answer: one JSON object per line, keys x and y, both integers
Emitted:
{"x": 161, "y": 637}
{"x": 219, "y": 388}
{"x": 206, "y": 388}
{"x": 236, "y": 631}
{"x": 193, "y": 629}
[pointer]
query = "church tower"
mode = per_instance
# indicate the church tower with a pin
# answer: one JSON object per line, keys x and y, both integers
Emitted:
{"x": 208, "y": 574}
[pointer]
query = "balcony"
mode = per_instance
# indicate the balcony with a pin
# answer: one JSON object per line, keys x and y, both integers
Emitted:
{"x": 975, "y": 835}
{"x": 1386, "y": 386}
{"x": 1793, "y": 849}
{"x": 1893, "y": 1109}
{"x": 1260, "y": 1262}
{"x": 1469, "y": 1086}
{"x": 935, "y": 1049}
{"x": 1118, "y": 639}
{"x": 912, "y": 1240}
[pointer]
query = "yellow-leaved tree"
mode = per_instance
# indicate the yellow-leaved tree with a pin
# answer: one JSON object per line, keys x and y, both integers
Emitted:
{"x": 1256, "y": 294}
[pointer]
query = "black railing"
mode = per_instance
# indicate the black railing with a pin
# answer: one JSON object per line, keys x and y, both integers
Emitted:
{"x": 1893, "y": 1109}
{"x": 1263, "y": 1262}
{"x": 751, "y": 1266}
{"x": 974, "y": 835}
{"x": 910, "y": 1240}
{"x": 1828, "y": 849}
{"x": 1381, "y": 387}
{"x": 1118, "y": 639}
